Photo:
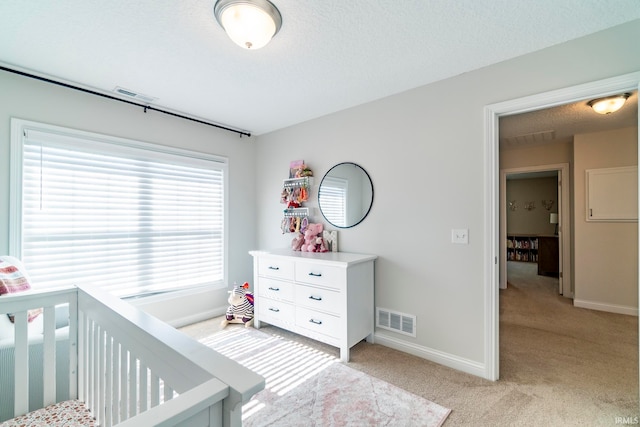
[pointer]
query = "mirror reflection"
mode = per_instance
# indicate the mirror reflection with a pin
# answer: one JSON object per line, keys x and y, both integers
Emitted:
{"x": 345, "y": 195}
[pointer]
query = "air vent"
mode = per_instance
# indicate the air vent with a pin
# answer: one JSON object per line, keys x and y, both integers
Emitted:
{"x": 530, "y": 138}
{"x": 397, "y": 322}
{"x": 131, "y": 94}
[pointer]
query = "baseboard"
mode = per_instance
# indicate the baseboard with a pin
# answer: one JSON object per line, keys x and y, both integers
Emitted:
{"x": 197, "y": 317}
{"x": 611, "y": 308}
{"x": 442, "y": 358}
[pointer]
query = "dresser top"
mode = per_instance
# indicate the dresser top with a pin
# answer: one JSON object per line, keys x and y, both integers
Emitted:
{"x": 340, "y": 257}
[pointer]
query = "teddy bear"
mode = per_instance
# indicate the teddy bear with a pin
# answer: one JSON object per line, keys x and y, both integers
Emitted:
{"x": 313, "y": 241}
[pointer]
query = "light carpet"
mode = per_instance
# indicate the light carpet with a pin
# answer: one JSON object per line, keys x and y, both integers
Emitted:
{"x": 305, "y": 386}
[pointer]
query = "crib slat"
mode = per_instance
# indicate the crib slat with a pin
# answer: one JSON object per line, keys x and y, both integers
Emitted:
{"x": 49, "y": 356}
{"x": 155, "y": 390}
{"x": 82, "y": 357}
{"x": 21, "y": 403}
{"x": 92, "y": 387}
{"x": 74, "y": 379}
{"x": 115, "y": 374}
{"x": 144, "y": 388}
{"x": 124, "y": 405}
{"x": 133, "y": 382}
{"x": 168, "y": 392}
{"x": 98, "y": 409}
{"x": 108, "y": 389}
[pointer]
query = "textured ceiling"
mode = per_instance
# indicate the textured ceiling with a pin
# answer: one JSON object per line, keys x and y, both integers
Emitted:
{"x": 563, "y": 122}
{"x": 328, "y": 56}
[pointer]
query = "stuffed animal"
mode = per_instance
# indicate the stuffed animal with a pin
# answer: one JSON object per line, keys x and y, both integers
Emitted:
{"x": 240, "y": 306}
{"x": 297, "y": 242}
{"x": 313, "y": 241}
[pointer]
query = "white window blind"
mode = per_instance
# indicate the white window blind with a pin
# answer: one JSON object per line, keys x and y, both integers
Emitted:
{"x": 332, "y": 197}
{"x": 131, "y": 218}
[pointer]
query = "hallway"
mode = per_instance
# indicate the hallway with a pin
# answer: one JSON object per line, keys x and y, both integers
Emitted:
{"x": 585, "y": 356}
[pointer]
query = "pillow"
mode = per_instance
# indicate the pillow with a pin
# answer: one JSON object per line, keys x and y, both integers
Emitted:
{"x": 14, "y": 279}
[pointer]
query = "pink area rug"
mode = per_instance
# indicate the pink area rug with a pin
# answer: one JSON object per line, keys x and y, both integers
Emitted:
{"x": 307, "y": 387}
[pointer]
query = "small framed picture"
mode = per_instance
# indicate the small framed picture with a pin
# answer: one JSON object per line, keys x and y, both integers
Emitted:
{"x": 330, "y": 240}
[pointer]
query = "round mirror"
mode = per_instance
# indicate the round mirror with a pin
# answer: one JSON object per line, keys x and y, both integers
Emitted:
{"x": 345, "y": 195}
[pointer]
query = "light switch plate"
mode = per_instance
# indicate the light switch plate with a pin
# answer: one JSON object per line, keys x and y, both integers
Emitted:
{"x": 460, "y": 236}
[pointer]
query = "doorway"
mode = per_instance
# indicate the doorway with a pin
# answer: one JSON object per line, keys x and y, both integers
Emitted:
{"x": 561, "y": 228}
{"x": 492, "y": 183}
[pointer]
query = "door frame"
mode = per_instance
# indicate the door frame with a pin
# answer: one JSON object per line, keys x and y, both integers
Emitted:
{"x": 564, "y": 223}
{"x": 492, "y": 113}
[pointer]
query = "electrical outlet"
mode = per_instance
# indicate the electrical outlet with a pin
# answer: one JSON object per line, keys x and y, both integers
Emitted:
{"x": 460, "y": 236}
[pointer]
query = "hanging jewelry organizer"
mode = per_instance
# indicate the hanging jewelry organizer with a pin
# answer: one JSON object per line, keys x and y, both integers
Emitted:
{"x": 295, "y": 192}
{"x": 296, "y": 212}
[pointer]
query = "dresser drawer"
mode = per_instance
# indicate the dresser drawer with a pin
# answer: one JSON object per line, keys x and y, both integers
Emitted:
{"x": 318, "y": 299}
{"x": 319, "y": 274}
{"x": 315, "y": 321}
{"x": 276, "y": 312}
{"x": 278, "y": 268}
{"x": 275, "y": 289}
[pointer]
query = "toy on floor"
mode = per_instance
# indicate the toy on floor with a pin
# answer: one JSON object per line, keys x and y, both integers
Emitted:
{"x": 240, "y": 306}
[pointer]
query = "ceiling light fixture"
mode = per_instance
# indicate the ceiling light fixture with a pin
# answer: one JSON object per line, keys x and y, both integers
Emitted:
{"x": 251, "y": 24}
{"x": 608, "y": 105}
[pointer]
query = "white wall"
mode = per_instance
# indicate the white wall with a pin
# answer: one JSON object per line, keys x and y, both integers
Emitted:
{"x": 424, "y": 152}
{"x": 606, "y": 253}
{"x": 30, "y": 99}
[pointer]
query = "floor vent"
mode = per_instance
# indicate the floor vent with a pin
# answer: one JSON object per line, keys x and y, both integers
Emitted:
{"x": 397, "y": 322}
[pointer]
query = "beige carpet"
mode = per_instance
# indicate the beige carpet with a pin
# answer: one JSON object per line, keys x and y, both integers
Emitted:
{"x": 559, "y": 365}
{"x": 306, "y": 387}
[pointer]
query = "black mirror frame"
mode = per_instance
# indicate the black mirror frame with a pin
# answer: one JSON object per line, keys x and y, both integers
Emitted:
{"x": 372, "y": 194}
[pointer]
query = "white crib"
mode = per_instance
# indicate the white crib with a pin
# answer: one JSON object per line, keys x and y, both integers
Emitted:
{"x": 129, "y": 368}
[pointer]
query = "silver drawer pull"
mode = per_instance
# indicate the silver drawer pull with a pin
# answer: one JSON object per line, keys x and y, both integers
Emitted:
{"x": 273, "y": 268}
{"x": 316, "y": 322}
{"x": 276, "y": 310}
{"x": 315, "y": 298}
{"x": 315, "y": 274}
{"x": 274, "y": 289}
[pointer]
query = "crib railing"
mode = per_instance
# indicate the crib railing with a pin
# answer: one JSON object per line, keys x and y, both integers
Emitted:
{"x": 129, "y": 368}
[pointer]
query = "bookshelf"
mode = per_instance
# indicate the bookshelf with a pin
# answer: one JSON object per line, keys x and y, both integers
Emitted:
{"x": 522, "y": 248}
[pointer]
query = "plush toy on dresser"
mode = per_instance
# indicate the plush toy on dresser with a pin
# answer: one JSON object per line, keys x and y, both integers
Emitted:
{"x": 313, "y": 241}
{"x": 240, "y": 306}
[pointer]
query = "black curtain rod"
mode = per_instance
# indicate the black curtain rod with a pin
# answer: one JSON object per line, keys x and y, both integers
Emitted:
{"x": 145, "y": 107}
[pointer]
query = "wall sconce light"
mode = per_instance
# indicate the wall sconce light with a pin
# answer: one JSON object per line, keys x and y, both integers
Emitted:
{"x": 530, "y": 205}
{"x": 553, "y": 219}
{"x": 608, "y": 105}
{"x": 548, "y": 204}
{"x": 513, "y": 205}
{"x": 251, "y": 24}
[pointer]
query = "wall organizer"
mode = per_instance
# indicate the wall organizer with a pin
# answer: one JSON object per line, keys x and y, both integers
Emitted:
{"x": 295, "y": 192}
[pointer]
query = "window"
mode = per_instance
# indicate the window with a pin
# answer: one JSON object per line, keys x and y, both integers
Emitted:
{"x": 333, "y": 198}
{"x": 129, "y": 217}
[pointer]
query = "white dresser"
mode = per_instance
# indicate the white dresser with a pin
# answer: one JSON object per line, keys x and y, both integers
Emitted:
{"x": 325, "y": 296}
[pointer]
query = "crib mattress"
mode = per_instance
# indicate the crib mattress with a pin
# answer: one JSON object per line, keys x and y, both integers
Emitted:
{"x": 70, "y": 413}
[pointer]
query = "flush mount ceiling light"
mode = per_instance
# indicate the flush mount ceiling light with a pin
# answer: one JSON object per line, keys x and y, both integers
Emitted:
{"x": 608, "y": 105}
{"x": 251, "y": 24}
